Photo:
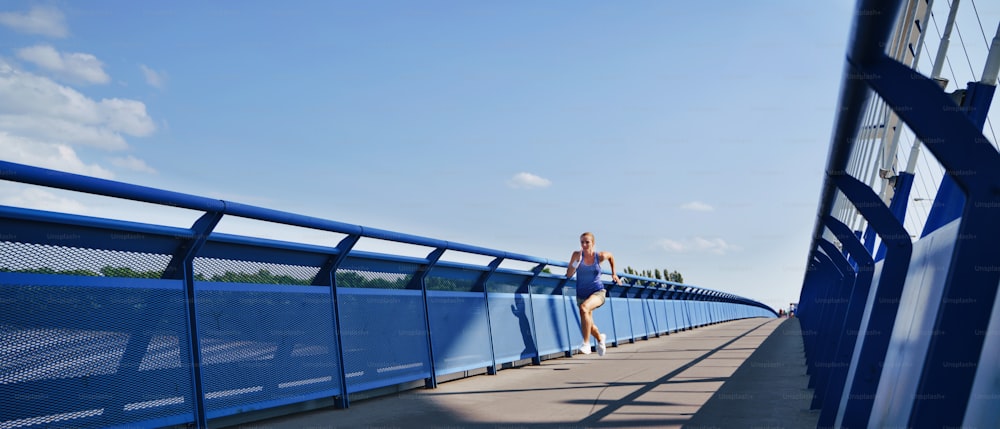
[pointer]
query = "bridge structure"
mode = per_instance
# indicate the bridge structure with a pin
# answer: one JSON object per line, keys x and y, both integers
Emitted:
{"x": 118, "y": 323}
{"x": 114, "y": 323}
{"x": 898, "y": 304}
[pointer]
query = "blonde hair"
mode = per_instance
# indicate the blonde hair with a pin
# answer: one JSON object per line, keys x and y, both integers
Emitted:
{"x": 588, "y": 234}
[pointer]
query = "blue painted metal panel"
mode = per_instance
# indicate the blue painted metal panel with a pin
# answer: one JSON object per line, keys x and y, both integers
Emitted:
{"x": 958, "y": 143}
{"x": 81, "y": 344}
{"x": 550, "y": 324}
{"x": 652, "y": 309}
{"x": 549, "y": 317}
{"x": 846, "y": 340}
{"x": 984, "y": 400}
{"x": 620, "y": 320}
{"x": 461, "y": 337}
{"x": 510, "y": 319}
{"x": 511, "y": 324}
{"x": 680, "y": 315}
{"x": 573, "y": 320}
{"x": 694, "y": 318}
{"x": 265, "y": 345}
{"x": 663, "y": 317}
{"x": 384, "y": 338}
{"x": 914, "y": 327}
{"x": 636, "y": 318}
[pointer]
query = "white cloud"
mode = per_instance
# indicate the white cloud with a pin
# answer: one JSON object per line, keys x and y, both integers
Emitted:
{"x": 528, "y": 180}
{"x": 717, "y": 246}
{"x": 40, "y": 109}
{"x": 62, "y": 131}
{"x": 47, "y": 155}
{"x": 153, "y": 78}
{"x": 76, "y": 67}
{"x": 42, "y": 20}
{"x": 697, "y": 206}
{"x": 671, "y": 245}
{"x": 132, "y": 163}
{"x": 43, "y": 122}
{"x": 127, "y": 116}
{"x": 38, "y": 199}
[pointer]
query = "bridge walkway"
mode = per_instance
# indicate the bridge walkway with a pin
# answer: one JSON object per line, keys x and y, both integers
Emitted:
{"x": 739, "y": 374}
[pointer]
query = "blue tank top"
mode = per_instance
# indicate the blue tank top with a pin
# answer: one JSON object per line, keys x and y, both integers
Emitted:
{"x": 588, "y": 277}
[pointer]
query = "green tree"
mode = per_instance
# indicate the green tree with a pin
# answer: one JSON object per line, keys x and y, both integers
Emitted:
{"x": 676, "y": 277}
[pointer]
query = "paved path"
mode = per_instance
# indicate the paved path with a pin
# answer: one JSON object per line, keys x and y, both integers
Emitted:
{"x": 719, "y": 376}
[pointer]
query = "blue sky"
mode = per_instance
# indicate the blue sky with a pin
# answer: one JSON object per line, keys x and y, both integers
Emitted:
{"x": 686, "y": 135}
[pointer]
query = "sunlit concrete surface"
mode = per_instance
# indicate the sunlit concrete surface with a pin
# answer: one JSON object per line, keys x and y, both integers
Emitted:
{"x": 745, "y": 373}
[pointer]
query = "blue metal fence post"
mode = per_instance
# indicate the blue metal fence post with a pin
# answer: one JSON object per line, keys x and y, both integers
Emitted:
{"x": 560, "y": 290}
{"x": 327, "y": 276}
{"x": 625, "y": 296}
{"x": 867, "y": 368}
{"x": 421, "y": 277}
{"x": 481, "y": 283}
{"x": 181, "y": 266}
{"x": 822, "y": 277}
{"x": 660, "y": 295}
{"x": 843, "y": 348}
{"x": 950, "y": 198}
{"x": 833, "y": 305}
{"x": 686, "y": 297}
{"x": 537, "y": 359}
{"x": 648, "y": 301}
{"x": 900, "y": 199}
{"x": 954, "y": 135}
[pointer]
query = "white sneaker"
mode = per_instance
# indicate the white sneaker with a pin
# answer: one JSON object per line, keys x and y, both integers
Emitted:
{"x": 585, "y": 348}
{"x": 601, "y": 347}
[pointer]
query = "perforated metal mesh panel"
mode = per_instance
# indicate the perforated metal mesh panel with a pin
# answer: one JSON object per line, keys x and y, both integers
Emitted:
{"x": 452, "y": 279}
{"x": 265, "y": 344}
{"x": 385, "y": 339}
{"x": 637, "y": 317}
{"x": 510, "y": 318}
{"x": 681, "y": 311}
{"x": 459, "y": 330}
{"x": 92, "y": 352}
{"x": 662, "y": 320}
{"x": 458, "y": 320}
{"x": 506, "y": 282}
{"x": 550, "y": 317}
{"x": 372, "y": 274}
{"x": 237, "y": 271}
{"x": 550, "y": 323}
{"x": 382, "y": 324}
{"x": 53, "y": 259}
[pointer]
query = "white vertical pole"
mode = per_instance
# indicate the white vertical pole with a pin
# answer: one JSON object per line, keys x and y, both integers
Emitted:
{"x": 906, "y": 56}
{"x": 942, "y": 53}
{"x": 992, "y": 67}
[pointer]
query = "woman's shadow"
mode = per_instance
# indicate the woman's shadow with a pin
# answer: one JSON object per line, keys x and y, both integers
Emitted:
{"x": 520, "y": 309}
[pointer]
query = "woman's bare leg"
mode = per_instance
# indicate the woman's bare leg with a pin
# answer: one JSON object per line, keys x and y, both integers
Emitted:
{"x": 587, "y": 325}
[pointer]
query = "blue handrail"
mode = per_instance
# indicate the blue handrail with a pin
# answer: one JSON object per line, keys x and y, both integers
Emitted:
{"x": 74, "y": 182}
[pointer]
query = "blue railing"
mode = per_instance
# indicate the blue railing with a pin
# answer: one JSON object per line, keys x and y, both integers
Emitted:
{"x": 117, "y": 323}
{"x": 908, "y": 340}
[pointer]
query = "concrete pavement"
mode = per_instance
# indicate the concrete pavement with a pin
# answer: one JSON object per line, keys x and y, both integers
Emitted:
{"x": 740, "y": 374}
